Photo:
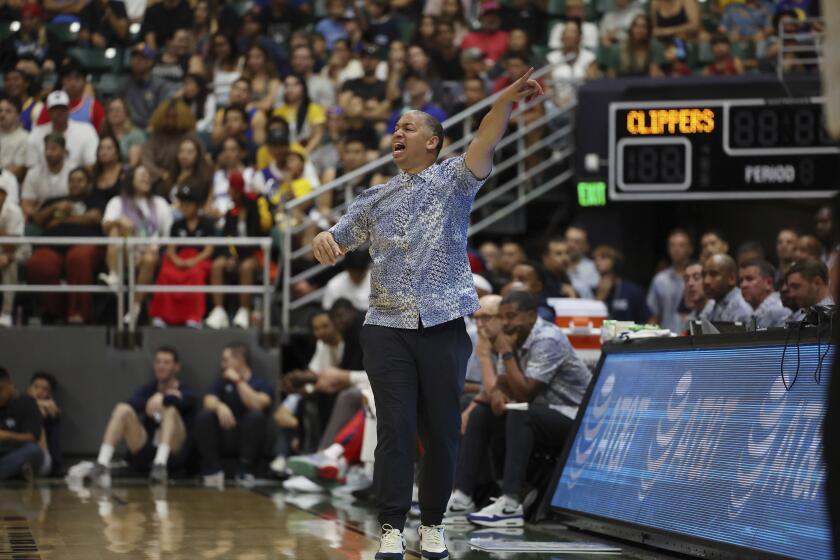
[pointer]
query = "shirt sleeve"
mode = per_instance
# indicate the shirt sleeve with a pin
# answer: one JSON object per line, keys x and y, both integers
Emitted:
{"x": 138, "y": 400}
{"x": 16, "y": 223}
{"x": 456, "y": 171}
{"x": 353, "y": 229}
{"x": 113, "y": 210}
{"x": 164, "y": 212}
{"x": 89, "y": 150}
{"x": 320, "y": 359}
{"x": 316, "y": 115}
{"x": 546, "y": 357}
{"x": 30, "y": 187}
{"x": 30, "y": 421}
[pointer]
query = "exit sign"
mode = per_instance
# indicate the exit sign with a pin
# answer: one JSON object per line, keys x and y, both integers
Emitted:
{"x": 592, "y": 194}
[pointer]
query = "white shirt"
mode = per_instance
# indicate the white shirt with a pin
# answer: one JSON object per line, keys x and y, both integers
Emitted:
{"x": 163, "y": 211}
{"x": 80, "y": 139}
{"x": 13, "y": 147}
{"x": 589, "y": 36}
{"x": 570, "y": 70}
{"x": 221, "y": 188}
{"x": 326, "y": 356}
{"x": 11, "y": 219}
{"x": 341, "y": 286}
{"x": 10, "y": 184}
{"x": 41, "y": 185}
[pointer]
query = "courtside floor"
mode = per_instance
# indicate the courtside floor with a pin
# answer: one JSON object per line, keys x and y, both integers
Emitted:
{"x": 50, "y": 521}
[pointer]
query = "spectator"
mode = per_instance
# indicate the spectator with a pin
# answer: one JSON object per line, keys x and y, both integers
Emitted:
{"x": 248, "y": 217}
{"x": 274, "y": 152}
{"x": 187, "y": 265}
{"x": 452, "y": 11}
{"x": 756, "y": 279}
{"x": 528, "y": 16}
{"x": 575, "y": 10}
{"x": 489, "y": 38}
{"x": 142, "y": 93}
{"x": 200, "y": 101}
{"x": 519, "y": 42}
{"x": 368, "y": 88}
{"x": 747, "y": 20}
{"x": 809, "y": 247}
{"x": 20, "y": 455}
{"x": 118, "y": 125}
{"x": 107, "y": 171}
{"x": 224, "y": 67}
{"x": 352, "y": 152}
{"x": 137, "y": 212}
{"x": 556, "y": 261}
{"x": 78, "y": 214}
{"x": 191, "y": 168}
{"x": 481, "y": 367}
{"x": 42, "y": 388}
{"x": 511, "y": 255}
{"x": 787, "y": 241}
{"x": 260, "y": 71}
{"x": 83, "y": 107}
{"x": 12, "y": 140}
{"x": 490, "y": 253}
{"x": 445, "y": 54}
{"x": 281, "y": 18}
{"x": 720, "y": 282}
{"x": 18, "y": 86}
{"x": 418, "y": 97}
{"x": 724, "y": 63}
{"x": 379, "y": 24}
{"x": 807, "y": 282}
{"x": 666, "y": 289}
{"x": 673, "y": 64}
{"x": 292, "y": 185}
{"x": 625, "y": 300}
{"x": 474, "y": 91}
{"x": 824, "y": 230}
{"x": 231, "y": 161}
{"x": 176, "y": 60}
{"x": 235, "y": 127}
{"x": 697, "y": 304}
{"x": 104, "y": 24}
{"x": 639, "y": 54}
{"x": 424, "y": 33}
{"x": 81, "y": 138}
{"x": 11, "y": 225}
{"x": 537, "y": 366}
{"x": 163, "y": 19}
{"x": 48, "y": 179}
{"x": 678, "y": 19}
{"x": 527, "y": 277}
{"x": 320, "y": 89}
{"x": 582, "y": 268}
{"x": 616, "y": 22}
{"x": 306, "y": 117}
{"x": 341, "y": 65}
{"x": 255, "y": 120}
{"x": 32, "y": 40}
{"x": 712, "y": 242}
{"x": 571, "y": 60}
{"x": 332, "y": 26}
{"x": 419, "y": 63}
{"x": 155, "y": 423}
{"x": 749, "y": 251}
{"x": 233, "y": 419}
{"x": 170, "y": 124}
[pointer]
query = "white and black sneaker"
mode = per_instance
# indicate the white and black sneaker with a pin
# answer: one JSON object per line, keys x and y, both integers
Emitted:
{"x": 391, "y": 544}
{"x": 432, "y": 543}
{"x": 503, "y": 512}
{"x": 457, "y": 509}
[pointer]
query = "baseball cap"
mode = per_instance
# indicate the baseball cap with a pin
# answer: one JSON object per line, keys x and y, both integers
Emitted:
{"x": 144, "y": 49}
{"x": 32, "y": 9}
{"x": 299, "y": 150}
{"x": 481, "y": 283}
{"x": 278, "y": 136}
{"x": 57, "y": 99}
{"x": 473, "y": 53}
{"x": 188, "y": 193}
{"x": 489, "y": 7}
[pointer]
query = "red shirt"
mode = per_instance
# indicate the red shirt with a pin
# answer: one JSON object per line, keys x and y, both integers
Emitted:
{"x": 86, "y": 109}
{"x": 723, "y": 68}
{"x": 494, "y": 45}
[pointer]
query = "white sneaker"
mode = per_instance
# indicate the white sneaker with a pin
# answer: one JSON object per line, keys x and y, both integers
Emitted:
{"x": 503, "y": 512}
{"x": 279, "y": 468}
{"x": 215, "y": 480}
{"x": 457, "y": 510}
{"x": 132, "y": 315}
{"x": 5, "y": 320}
{"x": 111, "y": 279}
{"x": 217, "y": 319}
{"x": 391, "y": 544}
{"x": 242, "y": 319}
{"x": 159, "y": 323}
{"x": 432, "y": 542}
{"x": 302, "y": 484}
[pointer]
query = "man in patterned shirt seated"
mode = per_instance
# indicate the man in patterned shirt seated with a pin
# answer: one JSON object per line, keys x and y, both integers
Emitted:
{"x": 535, "y": 365}
{"x": 414, "y": 340}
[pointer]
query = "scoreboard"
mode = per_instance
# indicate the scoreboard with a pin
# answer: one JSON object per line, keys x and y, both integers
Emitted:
{"x": 721, "y": 149}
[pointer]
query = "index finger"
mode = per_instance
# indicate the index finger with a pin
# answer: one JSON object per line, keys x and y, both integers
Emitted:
{"x": 524, "y": 77}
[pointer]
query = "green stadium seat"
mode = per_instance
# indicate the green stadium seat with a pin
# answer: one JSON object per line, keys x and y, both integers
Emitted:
{"x": 67, "y": 33}
{"x": 94, "y": 60}
{"x": 5, "y": 30}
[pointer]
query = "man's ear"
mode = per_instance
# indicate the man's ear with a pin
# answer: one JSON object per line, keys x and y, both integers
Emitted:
{"x": 434, "y": 141}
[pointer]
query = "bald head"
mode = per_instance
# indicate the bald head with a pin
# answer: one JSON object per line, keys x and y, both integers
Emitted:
{"x": 490, "y": 304}
{"x": 720, "y": 275}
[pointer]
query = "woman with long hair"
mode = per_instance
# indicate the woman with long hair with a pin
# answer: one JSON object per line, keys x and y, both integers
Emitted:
{"x": 260, "y": 71}
{"x": 638, "y": 55}
{"x": 78, "y": 214}
{"x": 171, "y": 122}
{"x": 425, "y": 33}
{"x": 225, "y": 66}
{"x": 231, "y": 160}
{"x": 191, "y": 168}
{"x": 136, "y": 212}
{"x": 107, "y": 171}
{"x": 306, "y": 118}
{"x": 341, "y": 65}
{"x": 204, "y": 26}
{"x": 118, "y": 124}
{"x": 200, "y": 100}
{"x": 453, "y": 10}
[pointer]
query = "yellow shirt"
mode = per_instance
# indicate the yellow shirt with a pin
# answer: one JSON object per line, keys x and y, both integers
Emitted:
{"x": 290, "y": 190}
{"x": 315, "y": 115}
{"x": 264, "y": 157}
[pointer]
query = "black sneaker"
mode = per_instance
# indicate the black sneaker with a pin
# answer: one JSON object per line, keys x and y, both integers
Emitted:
{"x": 159, "y": 475}
{"x": 364, "y": 494}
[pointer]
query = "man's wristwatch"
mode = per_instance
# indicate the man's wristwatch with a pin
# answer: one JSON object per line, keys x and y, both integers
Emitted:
{"x": 508, "y": 356}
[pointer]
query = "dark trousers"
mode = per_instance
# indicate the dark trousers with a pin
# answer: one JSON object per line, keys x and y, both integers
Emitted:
{"x": 521, "y": 430}
{"x": 14, "y": 458}
{"x": 417, "y": 376}
{"x": 245, "y": 440}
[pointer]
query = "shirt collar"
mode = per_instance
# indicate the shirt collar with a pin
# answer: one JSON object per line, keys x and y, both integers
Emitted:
{"x": 426, "y": 174}
{"x": 529, "y": 341}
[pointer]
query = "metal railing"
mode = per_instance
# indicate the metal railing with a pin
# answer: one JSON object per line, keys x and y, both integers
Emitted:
{"x": 558, "y": 123}
{"x": 127, "y": 290}
{"x": 804, "y": 44}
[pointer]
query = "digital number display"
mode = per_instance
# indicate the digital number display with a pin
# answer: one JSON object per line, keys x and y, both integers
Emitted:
{"x": 777, "y": 126}
{"x": 707, "y": 443}
{"x": 646, "y": 164}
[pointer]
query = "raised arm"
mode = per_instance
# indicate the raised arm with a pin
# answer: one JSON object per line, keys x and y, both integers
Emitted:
{"x": 479, "y": 156}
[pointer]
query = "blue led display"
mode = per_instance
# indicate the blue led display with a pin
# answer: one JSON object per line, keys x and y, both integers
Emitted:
{"x": 707, "y": 443}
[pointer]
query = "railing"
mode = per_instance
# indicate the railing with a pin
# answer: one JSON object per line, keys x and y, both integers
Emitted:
{"x": 558, "y": 122}
{"x": 808, "y": 50}
{"x": 125, "y": 244}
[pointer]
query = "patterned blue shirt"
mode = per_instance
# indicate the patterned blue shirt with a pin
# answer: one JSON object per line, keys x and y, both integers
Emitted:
{"x": 771, "y": 312}
{"x": 417, "y": 229}
{"x": 732, "y": 308}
